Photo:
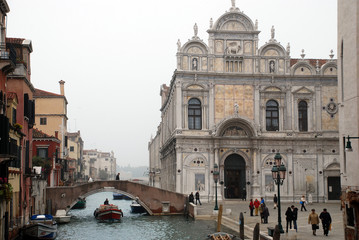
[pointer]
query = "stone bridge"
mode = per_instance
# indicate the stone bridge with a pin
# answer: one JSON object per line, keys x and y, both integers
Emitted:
{"x": 156, "y": 201}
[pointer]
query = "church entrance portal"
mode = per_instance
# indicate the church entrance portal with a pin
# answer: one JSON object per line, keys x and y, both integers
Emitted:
{"x": 235, "y": 177}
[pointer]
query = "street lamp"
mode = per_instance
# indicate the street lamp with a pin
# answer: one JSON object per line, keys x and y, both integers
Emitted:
{"x": 216, "y": 177}
{"x": 278, "y": 174}
{"x": 348, "y": 147}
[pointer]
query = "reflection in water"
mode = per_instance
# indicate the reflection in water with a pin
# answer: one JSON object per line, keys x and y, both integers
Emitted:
{"x": 83, "y": 224}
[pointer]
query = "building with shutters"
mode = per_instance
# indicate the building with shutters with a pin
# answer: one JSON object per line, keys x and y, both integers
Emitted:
{"x": 236, "y": 104}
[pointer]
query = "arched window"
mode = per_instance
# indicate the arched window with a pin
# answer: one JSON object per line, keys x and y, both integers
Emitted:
{"x": 303, "y": 116}
{"x": 194, "y": 114}
{"x": 272, "y": 116}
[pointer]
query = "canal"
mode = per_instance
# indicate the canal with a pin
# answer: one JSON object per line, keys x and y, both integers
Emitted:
{"x": 83, "y": 225}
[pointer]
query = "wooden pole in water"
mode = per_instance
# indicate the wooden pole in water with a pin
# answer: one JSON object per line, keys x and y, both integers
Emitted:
{"x": 219, "y": 220}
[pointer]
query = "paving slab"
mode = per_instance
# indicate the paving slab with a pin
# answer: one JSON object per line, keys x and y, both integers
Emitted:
{"x": 232, "y": 209}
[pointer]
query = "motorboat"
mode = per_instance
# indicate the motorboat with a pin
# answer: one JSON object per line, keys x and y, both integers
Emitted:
{"x": 41, "y": 227}
{"x": 81, "y": 203}
{"x": 108, "y": 213}
{"x": 221, "y": 236}
{"x": 118, "y": 196}
{"x": 136, "y": 207}
{"x": 62, "y": 217}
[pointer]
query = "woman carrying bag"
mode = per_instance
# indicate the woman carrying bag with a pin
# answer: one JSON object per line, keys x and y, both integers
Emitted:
{"x": 314, "y": 220}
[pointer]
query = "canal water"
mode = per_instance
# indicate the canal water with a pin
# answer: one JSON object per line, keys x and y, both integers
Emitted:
{"x": 83, "y": 224}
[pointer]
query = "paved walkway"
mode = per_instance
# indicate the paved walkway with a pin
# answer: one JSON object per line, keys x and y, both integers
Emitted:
{"x": 304, "y": 229}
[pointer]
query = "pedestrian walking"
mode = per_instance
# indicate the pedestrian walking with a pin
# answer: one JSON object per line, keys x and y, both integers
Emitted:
{"x": 275, "y": 200}
{"x": 261, "y": 210}
{"x": 289, "y": 218}
{"x": 197, "y": 198}
{"x": 265, "y": 213}
{"x": 295, "y": 217}
{"x": 256, "y": 206}
{"x": 314, "y": 220}
{"x": 191, "y": 198}
{"x": 118, "y": 176}
{"x": 251, "y": 207}
{"x": 303, "y": 201}
{"x": 326, "y": 221}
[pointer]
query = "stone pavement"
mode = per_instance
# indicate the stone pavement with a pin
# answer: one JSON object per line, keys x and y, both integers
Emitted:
{"x": 304, "y": 229}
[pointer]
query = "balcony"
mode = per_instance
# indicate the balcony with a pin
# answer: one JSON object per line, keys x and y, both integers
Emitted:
{"x": 7, "y": 57}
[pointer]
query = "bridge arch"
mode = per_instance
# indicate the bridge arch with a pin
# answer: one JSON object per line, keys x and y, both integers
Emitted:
{"x": 156, "y": 201}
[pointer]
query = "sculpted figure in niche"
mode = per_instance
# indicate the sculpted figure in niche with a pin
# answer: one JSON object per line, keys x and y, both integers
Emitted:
{"x": 194, "y": 64}
{"x": 271, "y": 67}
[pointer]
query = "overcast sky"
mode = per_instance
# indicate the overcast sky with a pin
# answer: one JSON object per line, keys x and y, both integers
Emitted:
{"x": 115, "y": 54}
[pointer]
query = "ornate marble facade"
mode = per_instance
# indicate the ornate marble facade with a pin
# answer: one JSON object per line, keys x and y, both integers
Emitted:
{"x": 236, "y": 104}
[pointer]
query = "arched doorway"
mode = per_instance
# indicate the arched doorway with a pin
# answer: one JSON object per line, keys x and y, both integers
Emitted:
{"x": 235, "y": 177}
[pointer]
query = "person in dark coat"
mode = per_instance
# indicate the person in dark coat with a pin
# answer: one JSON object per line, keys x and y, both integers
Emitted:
{"x": 118, "y": 176}
{"x": 275, "y": 201}
{"x": 106, "y": 202}
{"x": 251, "y": 207}
{"x": 289, "y": 218}
{"x": 265, "y": 213}
{"x": 295, "y": 217}
{"x": 191, "y": 198}
{"x": 197, "y": 198}
{"x": 326, "y": 221}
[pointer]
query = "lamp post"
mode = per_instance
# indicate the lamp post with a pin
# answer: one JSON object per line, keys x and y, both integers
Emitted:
{"x": 216, "y": 177}
{"x": 348, "y": 146}
{"x": 278, "y": 174}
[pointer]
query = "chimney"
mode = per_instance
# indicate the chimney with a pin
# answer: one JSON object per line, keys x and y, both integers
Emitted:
{"x": 62, "y": 87}
{"x": 56, "y": 134}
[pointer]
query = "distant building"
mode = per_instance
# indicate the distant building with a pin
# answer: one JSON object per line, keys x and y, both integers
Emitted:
{"x": 348, "y": 97}
{"x": 75, "y": 150}
{"x": 51, "y": 115}
{"x": 99, "y": 165}
{"x": 236, "y": 104}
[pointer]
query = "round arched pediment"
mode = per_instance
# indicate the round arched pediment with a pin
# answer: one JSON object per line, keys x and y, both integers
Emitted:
{"x": 235, "y": 127}
{"x": 272, "y": 50}
{"x": 195, "y": 48}
{"x": 234, "y": 21}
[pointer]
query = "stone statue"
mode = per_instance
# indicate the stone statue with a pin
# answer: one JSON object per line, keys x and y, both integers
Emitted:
{"x": 271, "y": 66}
{"x": 195, "y": 28}
{"x": 236, "y": 109}
{"x": 288, "y": 48}
{"x": 211, "y": 23}
{"x": 233, "y": 3}
{"x": 256, "y": 25}
{"x": 194, "y": 64}
{"x": 178, "y": 45}
{"x": 272, "y": 32}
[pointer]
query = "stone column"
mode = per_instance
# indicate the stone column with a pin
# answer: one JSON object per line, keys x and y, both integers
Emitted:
{"x": 211, "y": 106}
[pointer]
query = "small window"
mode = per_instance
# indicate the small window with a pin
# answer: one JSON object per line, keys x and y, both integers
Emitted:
{"x": 43, "y": 121}
{"x": 42, "y": 152}
{"x": 13, "y": 116}
{"x": 72, "y": 148}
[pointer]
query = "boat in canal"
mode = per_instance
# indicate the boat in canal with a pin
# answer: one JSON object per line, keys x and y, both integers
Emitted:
{"x": 41, "y": 227}
{"x": 136, "y": 207}
{"x": 108, "y": 213}
{"x": 81, "y": 204}
{"x": 221, "y": 236}
{"x": 62, "y": 217}
{"x": 119, "y": 196}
